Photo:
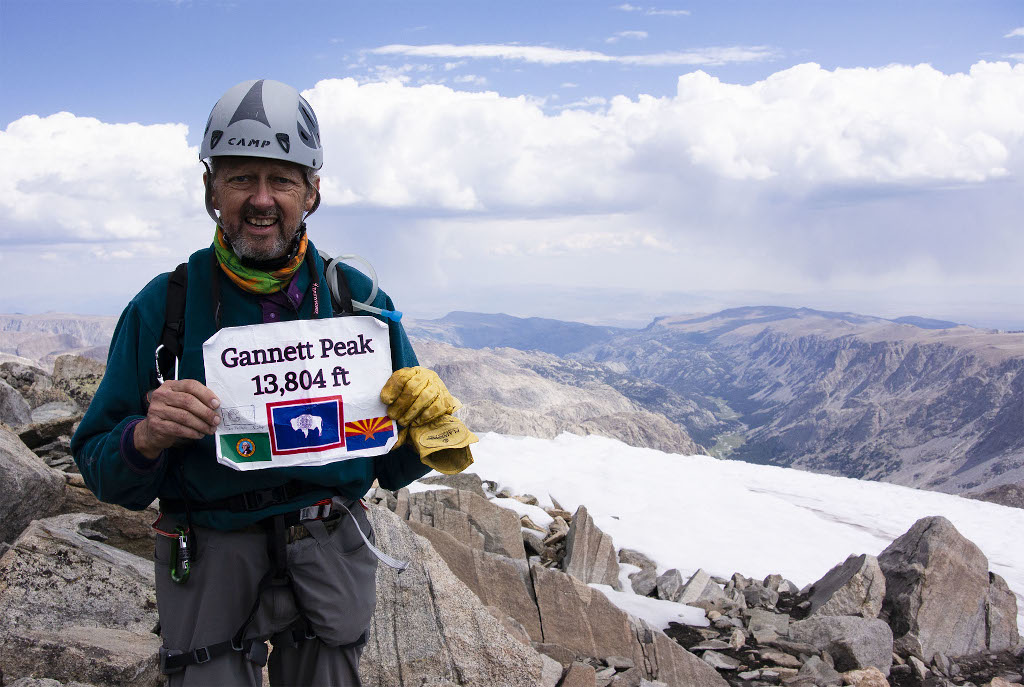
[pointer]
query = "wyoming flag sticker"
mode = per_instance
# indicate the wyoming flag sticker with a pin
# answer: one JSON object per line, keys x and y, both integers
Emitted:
{"x": 369, "y": 433}
{"x": 305, "y": 426}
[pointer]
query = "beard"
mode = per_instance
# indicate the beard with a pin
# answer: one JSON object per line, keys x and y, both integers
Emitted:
{"x": 246, "y": 245}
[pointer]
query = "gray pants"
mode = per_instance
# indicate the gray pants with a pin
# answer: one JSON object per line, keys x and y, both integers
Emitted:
{"x": 333, "y": 583}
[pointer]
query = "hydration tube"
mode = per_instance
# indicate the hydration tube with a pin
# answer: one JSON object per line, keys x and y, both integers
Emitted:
{"x": 332, "y": 284}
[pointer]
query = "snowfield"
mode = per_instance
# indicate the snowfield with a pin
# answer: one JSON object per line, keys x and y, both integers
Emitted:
{"x": 691, "y": 512}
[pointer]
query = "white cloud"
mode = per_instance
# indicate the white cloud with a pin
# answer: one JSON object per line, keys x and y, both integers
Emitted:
{"x": 539, "y": 54}
{"x": 401, "y": 72}
{"x": 471, "y": 79}
{"x": 82, "y": 179}
{"x": 634, "y": 35}
{"x": 653, "y": 11}
{"x": 1016, "y": 56}
{"x": 589, "y": 103}
{"x": 800, "y": 129}
{"x": 393, "y": 145}
{"x": 1019, "y": 31}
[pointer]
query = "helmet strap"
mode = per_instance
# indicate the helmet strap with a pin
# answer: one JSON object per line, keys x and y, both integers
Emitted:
{"x": 316, "y": 204}
{"x": 209, "y": 195}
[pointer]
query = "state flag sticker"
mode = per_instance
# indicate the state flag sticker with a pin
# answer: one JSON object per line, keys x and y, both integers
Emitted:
{"x": 369, "y": 433}
{"x": 251, "y": 447}
{"x": 306, "y": 425}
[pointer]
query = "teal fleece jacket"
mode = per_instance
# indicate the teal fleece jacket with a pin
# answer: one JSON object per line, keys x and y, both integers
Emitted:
{"x": 98, "y": 444}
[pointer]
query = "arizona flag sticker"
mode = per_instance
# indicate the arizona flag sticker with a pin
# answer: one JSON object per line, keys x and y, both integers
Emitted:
{"x": 369, "y": 433}
{"x": 305, "y": 426}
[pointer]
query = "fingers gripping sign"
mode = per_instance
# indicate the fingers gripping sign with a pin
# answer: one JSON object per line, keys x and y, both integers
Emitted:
{"x": 178, "y": 410}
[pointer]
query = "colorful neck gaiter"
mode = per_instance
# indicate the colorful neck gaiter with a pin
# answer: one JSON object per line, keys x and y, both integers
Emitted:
{"x": 251, "y": 279}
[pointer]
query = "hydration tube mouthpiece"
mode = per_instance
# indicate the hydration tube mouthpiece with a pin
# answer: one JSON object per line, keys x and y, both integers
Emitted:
{"x": 332, "y": 284}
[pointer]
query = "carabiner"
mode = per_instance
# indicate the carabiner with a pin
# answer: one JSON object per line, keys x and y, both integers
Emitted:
{"x": 181, "y": 557}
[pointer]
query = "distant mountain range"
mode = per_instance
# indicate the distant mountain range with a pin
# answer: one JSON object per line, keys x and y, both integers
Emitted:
{"x": 912, "y": 401}
{"x": 41, "y": 338}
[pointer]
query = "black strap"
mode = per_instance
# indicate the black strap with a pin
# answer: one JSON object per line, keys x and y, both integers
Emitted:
{"x": 248, "y": 501}
{"x": 215, "y": 288}
{"x": 172, "y": 661}
{"x": 172, "y": 338}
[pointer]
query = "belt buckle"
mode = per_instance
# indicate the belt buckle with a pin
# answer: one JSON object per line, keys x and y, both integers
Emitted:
{"x": 318, "y": 511}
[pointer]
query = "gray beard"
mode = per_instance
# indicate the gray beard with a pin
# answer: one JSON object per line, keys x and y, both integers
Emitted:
{"x": 245, "y": 246}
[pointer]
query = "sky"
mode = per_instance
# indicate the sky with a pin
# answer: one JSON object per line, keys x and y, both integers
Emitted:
{"x": 726, "y": 516}
{"x": 600, "y": 162}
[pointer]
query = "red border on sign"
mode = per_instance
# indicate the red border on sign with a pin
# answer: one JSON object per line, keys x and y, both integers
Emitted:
{"x": 310, "y": 449}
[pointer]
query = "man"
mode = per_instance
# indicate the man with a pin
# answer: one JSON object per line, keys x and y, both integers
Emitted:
{"x": 282, "y": 553}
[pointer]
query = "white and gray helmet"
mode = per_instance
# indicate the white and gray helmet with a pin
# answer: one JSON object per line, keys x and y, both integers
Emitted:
{"x": 263, "y": 118}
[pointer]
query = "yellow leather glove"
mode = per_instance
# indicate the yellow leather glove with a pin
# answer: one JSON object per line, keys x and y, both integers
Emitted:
{"x": 416, "y": 396}
{"x": 443, "y": 443}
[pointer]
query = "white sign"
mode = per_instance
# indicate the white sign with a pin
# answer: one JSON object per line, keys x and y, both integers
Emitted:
{"x": 305, "y": 392}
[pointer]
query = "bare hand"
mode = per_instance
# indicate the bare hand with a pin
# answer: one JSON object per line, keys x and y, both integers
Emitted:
{"x": 178, "y": 410}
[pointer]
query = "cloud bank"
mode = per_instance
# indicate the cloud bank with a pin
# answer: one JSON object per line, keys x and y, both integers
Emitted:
{"x": 899, "y": 176}
{"x": 799, "y": 130}
{"x": 74, "y": 178}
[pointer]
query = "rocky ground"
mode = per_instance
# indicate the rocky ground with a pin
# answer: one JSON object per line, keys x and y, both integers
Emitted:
{"x": 499, "y": 591}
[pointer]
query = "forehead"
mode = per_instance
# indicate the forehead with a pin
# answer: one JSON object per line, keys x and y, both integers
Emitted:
{"x": 257, "y": 165}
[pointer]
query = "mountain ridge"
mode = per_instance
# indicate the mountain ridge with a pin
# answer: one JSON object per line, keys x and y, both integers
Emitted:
{"x": 909, "y": 401}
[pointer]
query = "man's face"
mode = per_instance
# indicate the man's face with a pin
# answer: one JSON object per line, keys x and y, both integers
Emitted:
{"x": 261, "y": 203}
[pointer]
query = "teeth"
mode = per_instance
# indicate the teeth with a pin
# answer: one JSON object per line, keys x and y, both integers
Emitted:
{"x": 262, "y": 221}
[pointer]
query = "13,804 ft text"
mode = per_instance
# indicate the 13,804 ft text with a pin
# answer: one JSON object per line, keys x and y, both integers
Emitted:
{"x": 293, "y": 381}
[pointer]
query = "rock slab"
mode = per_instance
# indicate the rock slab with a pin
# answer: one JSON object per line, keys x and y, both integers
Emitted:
{"x": 589, "y": 553}
{"x": 471, "y": 519}
{"x": 78, "y": 377}
{"x": 29, "y": 490}
{"x": 74, "y": 608}
{"x": 855, "y": 587}
{"x": 854, "y": 643}
{"x": 430, "y": 629}
{"x": 14, "y": 410}
{"x": 583, "y": 620}
{"x": 498, "y": 581}
{"x": 938, "y": 589}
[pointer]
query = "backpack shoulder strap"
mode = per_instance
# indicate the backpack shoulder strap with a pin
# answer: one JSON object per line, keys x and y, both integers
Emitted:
{"x": 172, "y": 339}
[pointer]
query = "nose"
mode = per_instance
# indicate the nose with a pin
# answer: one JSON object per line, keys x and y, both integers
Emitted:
{"x": 261, "y": 196}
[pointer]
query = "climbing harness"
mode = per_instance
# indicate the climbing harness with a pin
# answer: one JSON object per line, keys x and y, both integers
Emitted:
{"x": 279, "y": 535}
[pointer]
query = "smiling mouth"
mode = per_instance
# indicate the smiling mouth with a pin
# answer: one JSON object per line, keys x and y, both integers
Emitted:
{"x": 261, "y": 222}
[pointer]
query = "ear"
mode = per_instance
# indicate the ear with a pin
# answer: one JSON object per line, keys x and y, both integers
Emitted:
{"x": 311, "y": 196}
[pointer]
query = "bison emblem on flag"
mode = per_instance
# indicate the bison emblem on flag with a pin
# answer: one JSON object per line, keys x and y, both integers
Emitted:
{"x": 305, "y": 423}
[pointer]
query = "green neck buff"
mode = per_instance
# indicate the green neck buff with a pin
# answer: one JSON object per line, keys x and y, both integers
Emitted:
{"x": 251, "y": 279}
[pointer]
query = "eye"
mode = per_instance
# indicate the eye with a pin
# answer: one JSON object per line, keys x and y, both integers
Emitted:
{"x": 238, "y": 178}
